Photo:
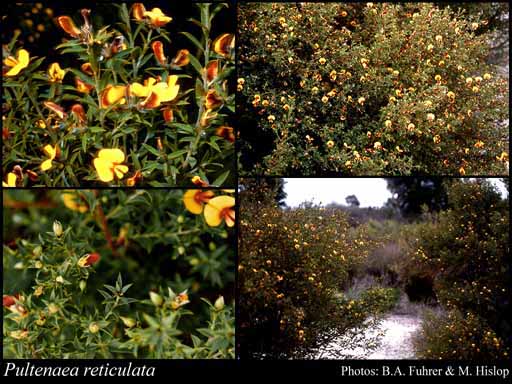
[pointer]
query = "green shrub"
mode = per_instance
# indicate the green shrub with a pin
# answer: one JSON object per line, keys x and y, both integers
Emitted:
{"x": 128, "y": 108}
{"x": 292, "y": 264}
{"x": 465, "y": 251}
{"x": 112, "y": 274}
{"x": 369, "y": 89}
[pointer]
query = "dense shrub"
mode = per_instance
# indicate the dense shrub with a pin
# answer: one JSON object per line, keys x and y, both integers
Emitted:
{"x": 358, "y": 88}
{"x": 122, "y": 105}
{"x": 465, "y": 251}
{"x": 111, "y": 274}
{"x": 292, "y": 265}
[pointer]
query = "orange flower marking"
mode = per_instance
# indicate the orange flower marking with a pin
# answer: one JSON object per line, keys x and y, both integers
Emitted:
{"x": 194, "y": 200}
{"x": 224, "y": 44}
{"x": 82, "y": 86}
{"x": 182, "y": 58}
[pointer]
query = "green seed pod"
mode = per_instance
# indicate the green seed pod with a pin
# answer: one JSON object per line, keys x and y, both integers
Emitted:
{"x": 82, "y": 285}
{"x": 156, "y": 299}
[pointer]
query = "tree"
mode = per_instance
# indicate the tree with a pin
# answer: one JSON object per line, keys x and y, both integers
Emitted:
{"x": 264, "y": 190}
{"x": 352, "y": 201}
{"x": 410, "y": 193}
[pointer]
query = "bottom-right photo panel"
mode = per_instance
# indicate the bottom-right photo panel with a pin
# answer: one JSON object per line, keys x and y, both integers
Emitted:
{"x": 374, "y": 268}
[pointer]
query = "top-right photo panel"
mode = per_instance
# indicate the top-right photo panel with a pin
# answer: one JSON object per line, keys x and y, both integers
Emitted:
{"x": 331, "y": 89}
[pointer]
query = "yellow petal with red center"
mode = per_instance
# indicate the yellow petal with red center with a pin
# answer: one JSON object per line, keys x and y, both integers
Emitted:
{"x": 56, "y": 73}
{"x": 152, "y": 101}
{"x": 20, "y": 62}
{"x": 113, "y": 155}
{"x": 138, "y": 11}
{"x": 224, "y": 44}
{"x": 113, "y": 94}
{"x": 191, "y": 203}
{"x": 182, "y": 58}
{"x": 220, "y": 208}
{"x": 167, "y": 91}
{"x": 157, "y": 17}
{"x": 104, "y": 169}
{"x": 67, "y": 24}
{"x": 212, "y": 70}
{"x": 158, "y": 50}
{"x": 55, "y": 108}
{"x": 120, "y": 170}
{"x": 11, "y": 180}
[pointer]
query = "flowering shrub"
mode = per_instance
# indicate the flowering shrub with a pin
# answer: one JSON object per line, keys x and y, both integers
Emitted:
{"x": 111, "y": 274}
{"x": 123, "y": 105}
{"x": 364, "y": 89}
{"x": 465, "y": 251}
{"x": 292, "y": 265}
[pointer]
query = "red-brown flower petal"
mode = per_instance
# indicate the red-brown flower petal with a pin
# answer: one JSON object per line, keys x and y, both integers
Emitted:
{"x": 168, "y": 115}
{"x": 138, "y": 10}
{"x": 79, "y": 112}
{"x": 67, "y": 24}
{"x": 182, "y": 58}
{"x": 158, "y": 50}
{"x": 212, "y": 70}
{"x": 55, "y": 108}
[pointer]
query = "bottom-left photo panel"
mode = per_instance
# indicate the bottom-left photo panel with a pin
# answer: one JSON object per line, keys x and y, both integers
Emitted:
{"x": 113, "y": 274}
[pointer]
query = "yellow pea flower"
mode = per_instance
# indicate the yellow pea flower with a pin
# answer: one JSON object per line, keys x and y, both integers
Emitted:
{"x": 113, "y": 94}
{"x": 156, "y": 17}
{"x": 194, "y": 200}
{"x": 108, "y": 164}
{"x": 51, "y": 152}
{"x": 220, "y": 208}
{"x": 73, "y": 202}
{"x": 196, "y": 180}
{"x": 11, "y": 180}
{"x": 137, "y": 89}
{"x": 55, "y": 73}
{"x": 162, "y": 92}
{"x": 17, "y": 64}
{"x": 224, "y": 44}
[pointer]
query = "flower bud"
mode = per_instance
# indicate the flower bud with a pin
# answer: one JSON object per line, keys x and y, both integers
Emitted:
{"x": 53, "y": 308}
{"x": 38, "y": 251}
{"x": 94, "y": 327}
{"x": 38, "y": 264}
{"x": 128, "y": 321}
{"x": 57, "y": 228}
{"x": 59, "y": 279}
{"x": 219, "y": 303}
{"x": 156, "y": 298}
{"x": 82, "y": 285}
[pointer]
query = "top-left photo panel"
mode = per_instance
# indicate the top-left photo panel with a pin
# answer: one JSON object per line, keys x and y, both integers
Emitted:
{"x": 118, "y": 95}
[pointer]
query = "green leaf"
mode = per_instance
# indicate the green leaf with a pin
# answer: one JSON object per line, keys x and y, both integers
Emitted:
{"x": 197, "y": 66}
{"x": 154, "y": 151}
{"x": 220, "y": 180}
{"x": 193, "y": 39}
{"x": 176, "y": 154}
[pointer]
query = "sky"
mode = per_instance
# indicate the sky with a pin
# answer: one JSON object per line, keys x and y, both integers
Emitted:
{"x": 371, "y": 192}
